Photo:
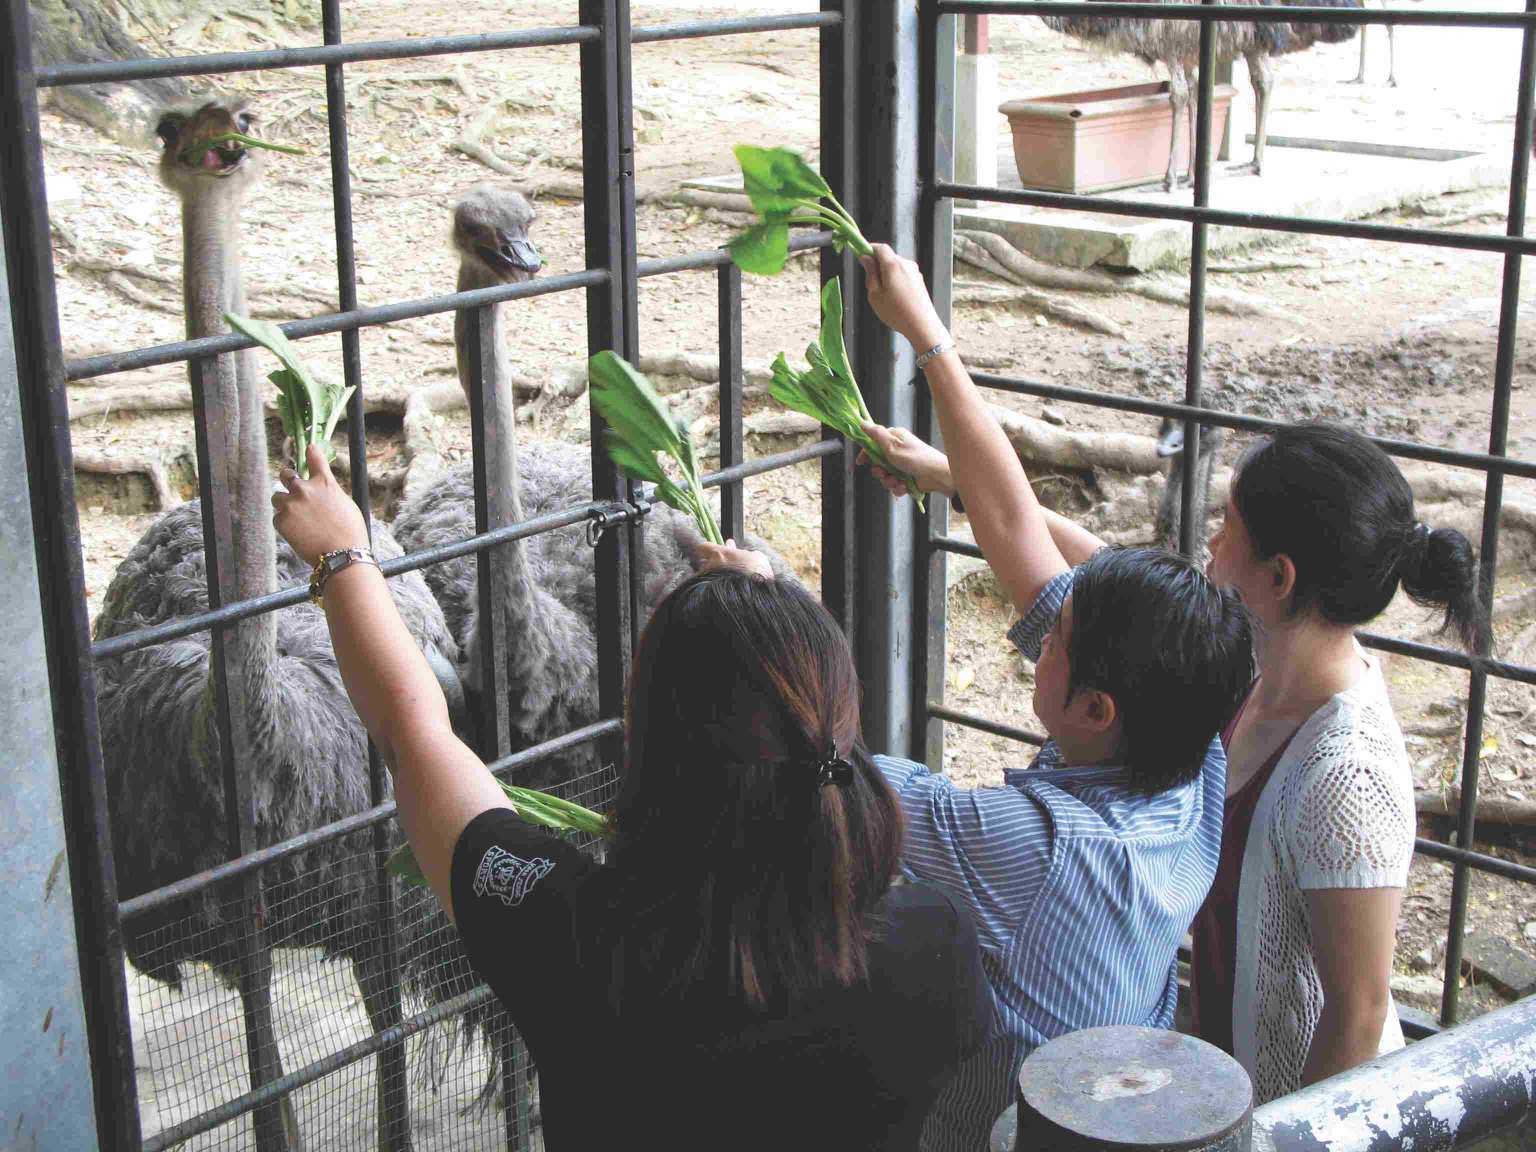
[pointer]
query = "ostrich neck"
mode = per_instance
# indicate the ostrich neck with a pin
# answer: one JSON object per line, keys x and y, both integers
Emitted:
{"x": 502, "y": 483}
{"x": 237, "y": 438}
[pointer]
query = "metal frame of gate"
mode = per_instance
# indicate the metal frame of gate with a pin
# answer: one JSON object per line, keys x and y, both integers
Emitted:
{"x": 938, "y": 192}
{"x": 614, "y": 514}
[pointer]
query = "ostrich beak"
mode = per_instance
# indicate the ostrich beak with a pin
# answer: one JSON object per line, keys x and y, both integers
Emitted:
{"x": 1170, "y": 442}
{"x": 520, "y": 252}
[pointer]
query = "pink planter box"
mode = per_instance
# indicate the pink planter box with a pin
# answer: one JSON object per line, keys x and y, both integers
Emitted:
{"x": 1109, "y": 138}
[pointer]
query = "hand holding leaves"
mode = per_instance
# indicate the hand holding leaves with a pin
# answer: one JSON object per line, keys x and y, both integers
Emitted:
{"x": 309, "y": 410}
{"x": 640, "y": 425}
{"x": 786, "y": 190}
{"x": 827, "y": 390}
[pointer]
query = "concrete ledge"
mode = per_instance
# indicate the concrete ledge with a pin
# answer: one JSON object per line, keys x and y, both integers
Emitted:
{"x": 1325, "y": 179}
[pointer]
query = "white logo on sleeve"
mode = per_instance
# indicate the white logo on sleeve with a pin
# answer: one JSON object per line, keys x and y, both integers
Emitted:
{"x": 507, "y": 877}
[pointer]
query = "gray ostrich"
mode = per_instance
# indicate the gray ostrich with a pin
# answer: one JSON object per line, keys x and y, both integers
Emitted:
{"x": 1176, "y": 45}
{"x": 550, "y": 599}
{"x": 1170, "y": 443}
{"x": 304, "y": 750}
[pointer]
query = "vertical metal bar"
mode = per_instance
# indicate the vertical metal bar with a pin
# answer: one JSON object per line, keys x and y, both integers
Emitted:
{"x": 628, "y": 281}
{"x": 44, "y": 405}
{"x": 1493, "y": 502}
{"x": 1191, "y": 534}
{"x": 887, "y": 139}
{"x": 394, "y": 1098}
{"x": 732, "y": 504}
{"x": 839, "y": 46}
{"x": 935, "y": 252}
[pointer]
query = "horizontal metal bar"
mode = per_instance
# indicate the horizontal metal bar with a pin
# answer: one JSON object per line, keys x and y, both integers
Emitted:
{"x": 351, "y": 1054}
{"x": 1227, "y": 217}
{"x": 773, "y": 463}
{"x": 981, "y": 723}
{"x": 92, "y": 366}
{"x": 1449, "y": 657}
{"x": 357, "y": 822}
{"x": 1443, "y": 1092}
{"x": 714, "y": 257}
{"x": 1478, "y": 861}
{"x": 958, "y": 547}
{"x": 272, "y": 601}
{"x": 1406, "y": 449}
{"x": 115, "y": 71}
{"x": 694, "y": 29}
{"x": 1074, "y": 9}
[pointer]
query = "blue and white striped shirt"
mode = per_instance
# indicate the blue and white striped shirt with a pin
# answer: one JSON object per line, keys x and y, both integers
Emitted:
{"x": 1081, "y": 890}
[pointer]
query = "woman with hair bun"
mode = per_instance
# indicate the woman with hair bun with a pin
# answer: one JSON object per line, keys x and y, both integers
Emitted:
{"x": 1293, "y": 947}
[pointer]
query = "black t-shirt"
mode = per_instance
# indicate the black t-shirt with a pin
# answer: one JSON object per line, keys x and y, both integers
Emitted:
{"x": 847, "y": 1069}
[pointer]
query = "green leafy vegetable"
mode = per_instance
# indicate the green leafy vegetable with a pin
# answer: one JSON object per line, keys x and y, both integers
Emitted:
{"x": 827, "y": 390}
{"x": 786, "y": 190}
{"x": 196, "y": 151}
{"x": 640, "y": 425}
{"x": 309, "y": 410}
{"x": 533, "y": 806}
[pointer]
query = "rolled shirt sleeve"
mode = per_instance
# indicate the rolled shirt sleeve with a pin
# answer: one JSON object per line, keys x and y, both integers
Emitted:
{"x": 1030, "y": 630}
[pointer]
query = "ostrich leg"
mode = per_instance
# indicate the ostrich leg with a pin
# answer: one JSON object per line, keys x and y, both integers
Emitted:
{"x": 1391, "y": 55}
{"x": 1261, "y": 72}
{"x": 1178, "y": 97}
{"x": 1360, "y": 75}
{"x": 381, "y": 1002}
{"x": 277, "y": 1128}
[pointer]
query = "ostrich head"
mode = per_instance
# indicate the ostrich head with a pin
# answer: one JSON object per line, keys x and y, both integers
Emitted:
{"x": 490, "y": 231}
{"x": 188, "y": 170}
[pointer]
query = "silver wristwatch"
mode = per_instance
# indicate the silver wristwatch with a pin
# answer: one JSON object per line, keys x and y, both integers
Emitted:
{"x": 331, "y": 563}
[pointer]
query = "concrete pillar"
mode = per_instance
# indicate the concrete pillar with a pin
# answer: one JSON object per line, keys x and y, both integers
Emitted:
{"x": 46, "y": 1100}
{"x": 976, "y": 107}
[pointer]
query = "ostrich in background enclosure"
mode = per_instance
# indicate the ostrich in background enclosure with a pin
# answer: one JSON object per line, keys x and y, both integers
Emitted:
{"x": 550, "y": 596}
{"x": 1176, "y": 45}
{"x": 303, "y": 754}
{"x": 1170, "y": 443}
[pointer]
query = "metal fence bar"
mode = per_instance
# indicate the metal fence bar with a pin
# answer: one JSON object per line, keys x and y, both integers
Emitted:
{"x": 728, "y": 301}
{"x": 1493, "y": 501}
{"x": 1261, "y": 221}
{"x": 91, "y": 366}
{"x": 44, "y": 406}
{"x": 383, "y": 986}
{"x": 694, "y": 29}
{"x": 426, "y": 557}
{"x": 982, "y": 724}
{"x": 216, "y": 63}
{"x": 838, "y": 53}
{"x": 935, "y": 253}
{"x": 1479, "y": 861}
{"x": 803, "y": 240}
{"x": 1448, "y": 17}
{"x": 1407, "y": 449}
{"x": 357, "y": 822}
{"x": 1191, "y": 534}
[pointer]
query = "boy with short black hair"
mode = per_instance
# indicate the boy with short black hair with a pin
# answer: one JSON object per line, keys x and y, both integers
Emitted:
{"x": 1084, "y": 871}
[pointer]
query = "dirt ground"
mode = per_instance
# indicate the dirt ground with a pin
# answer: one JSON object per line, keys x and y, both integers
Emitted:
{"x": 1399, "y": 342}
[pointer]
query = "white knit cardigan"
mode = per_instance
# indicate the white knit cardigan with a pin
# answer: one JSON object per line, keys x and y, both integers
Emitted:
{"x": 1337, "y": 813}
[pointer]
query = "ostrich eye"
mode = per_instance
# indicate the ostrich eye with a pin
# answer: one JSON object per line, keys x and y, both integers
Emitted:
{"x": 244, "y": 121}
{"x": 168, "y": 129}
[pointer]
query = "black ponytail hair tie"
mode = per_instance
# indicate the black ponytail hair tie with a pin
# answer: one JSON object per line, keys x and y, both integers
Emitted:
{"x": 833, "y": 769}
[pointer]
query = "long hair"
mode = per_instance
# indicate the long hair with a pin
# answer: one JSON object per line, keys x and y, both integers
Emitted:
{"x": 1337, "y": 505}
{"x": 738, "y": 871}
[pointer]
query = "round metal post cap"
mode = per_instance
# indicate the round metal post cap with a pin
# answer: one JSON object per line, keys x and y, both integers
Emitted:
{"x": 1127, "y": 1087}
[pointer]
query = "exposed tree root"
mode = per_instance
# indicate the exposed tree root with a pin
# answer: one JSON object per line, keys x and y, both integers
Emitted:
{"x": 1073, "y": 315}
{"x": 1041, "y": 443}
{"x": 107, "y": 463}
{"x": 1494, "y": 809}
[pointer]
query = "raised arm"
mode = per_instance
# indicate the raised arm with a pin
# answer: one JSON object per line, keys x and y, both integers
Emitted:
{"x": 1009, "y": 523}
{"x": 440, "y": 784}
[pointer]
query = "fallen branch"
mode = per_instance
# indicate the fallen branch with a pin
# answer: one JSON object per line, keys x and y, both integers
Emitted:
{"x": 99, "y": 462}
{"x": 1047, "y": 305}
{"x": 1494, "y": 810}
{"x": 1011, "y": 264}
{"x": 1038, "y": 442}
